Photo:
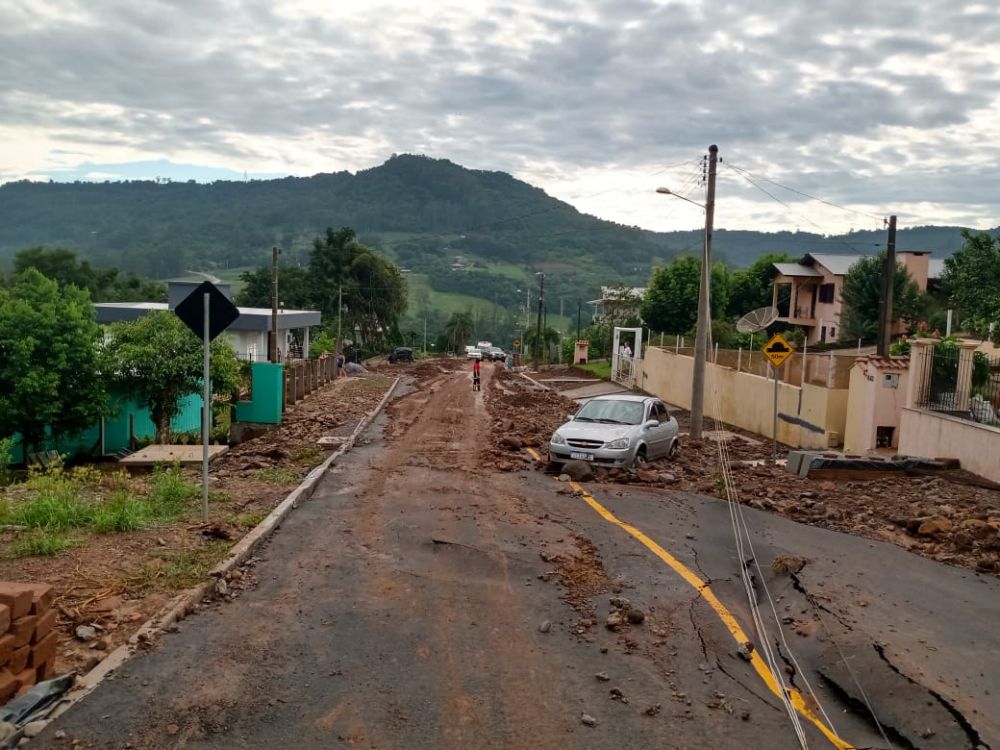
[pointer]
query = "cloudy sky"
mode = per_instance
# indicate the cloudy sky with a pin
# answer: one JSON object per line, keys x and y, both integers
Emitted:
{"x": 887, "y": 106}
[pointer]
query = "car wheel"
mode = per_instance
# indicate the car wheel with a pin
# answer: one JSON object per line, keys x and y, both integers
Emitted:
{"x": 640, "y": 457}
{"x": 675, "y": 449}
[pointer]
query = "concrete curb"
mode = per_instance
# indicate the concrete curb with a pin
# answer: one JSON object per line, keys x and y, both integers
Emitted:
{"x": 183, "y": 604}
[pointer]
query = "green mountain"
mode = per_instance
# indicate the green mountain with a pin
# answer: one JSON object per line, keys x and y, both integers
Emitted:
{"x": 457, "y": 230}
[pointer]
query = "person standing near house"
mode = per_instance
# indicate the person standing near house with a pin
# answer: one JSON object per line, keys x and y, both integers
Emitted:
{"x": 341, "y": 371}
{"x": 626, "y": 358}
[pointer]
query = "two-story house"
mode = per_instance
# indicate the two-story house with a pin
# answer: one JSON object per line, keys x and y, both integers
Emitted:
{"x": 807, "y": 293}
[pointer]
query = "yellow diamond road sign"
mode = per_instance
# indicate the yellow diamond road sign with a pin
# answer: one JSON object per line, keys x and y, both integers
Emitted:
{"x": 517, "y": 343}
{"x": 777, "y": 350}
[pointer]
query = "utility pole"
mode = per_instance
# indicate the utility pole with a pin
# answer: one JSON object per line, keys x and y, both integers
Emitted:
{"x": 538, "y": 331}
{"x": 425, "y": 335}
{"x": 888, "y": 287}
{"x": 579, "y": 317}
{"x": 340, "y": 316}
{"x": 704, "y": 308}
{"x": 272, "y": 339}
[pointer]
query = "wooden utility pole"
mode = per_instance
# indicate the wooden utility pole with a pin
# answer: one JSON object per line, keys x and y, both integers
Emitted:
{"x": 885, "y": 317}
{"x": 538, "y": 331}
{"x": 272, "y": 339}
{"x": 704, "y": 308}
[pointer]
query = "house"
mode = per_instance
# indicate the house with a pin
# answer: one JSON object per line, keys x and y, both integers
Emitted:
{"x": 247, "y": 335}
{"x": 618, "y": 303}
{"x": 807, "y": 293}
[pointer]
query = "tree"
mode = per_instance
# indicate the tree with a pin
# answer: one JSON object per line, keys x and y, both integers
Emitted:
{"x": 49, "y": 368}
{"x": 104, "y": 284}
{"x": 862, "y": 295}
{"x": 458, "y": 329}
{"x": 159, "y": 360}
{"x": 972, "y": 279}
{"x": 293, "y": 288}
{"x": 671, "y": 301}
{"x": 540, "y": 347}
{"x": 750, "y": 288}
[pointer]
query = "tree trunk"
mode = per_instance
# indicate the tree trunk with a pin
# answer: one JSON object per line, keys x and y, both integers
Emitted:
{"x": 161, "y": 419}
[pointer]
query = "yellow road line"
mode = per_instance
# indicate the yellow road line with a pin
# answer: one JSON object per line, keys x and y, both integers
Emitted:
{"x": 724, "y": 614}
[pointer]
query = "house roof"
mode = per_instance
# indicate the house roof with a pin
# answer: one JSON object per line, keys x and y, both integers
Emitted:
{"x": 838, "y": 265}
{"x": 795, "y": 269}
{"x": 251, "y": 318}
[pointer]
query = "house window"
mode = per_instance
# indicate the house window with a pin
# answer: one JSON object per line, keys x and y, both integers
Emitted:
{"x": 826, "y": 293}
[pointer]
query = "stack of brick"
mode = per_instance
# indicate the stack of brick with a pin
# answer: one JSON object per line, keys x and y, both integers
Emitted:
{"x": 28, "y": 646}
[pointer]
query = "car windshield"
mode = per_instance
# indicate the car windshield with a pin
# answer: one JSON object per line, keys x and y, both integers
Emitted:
{"x": 611, "y": 412}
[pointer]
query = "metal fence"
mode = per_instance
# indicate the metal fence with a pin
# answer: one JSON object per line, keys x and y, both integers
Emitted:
{"x": 967, "y": 387}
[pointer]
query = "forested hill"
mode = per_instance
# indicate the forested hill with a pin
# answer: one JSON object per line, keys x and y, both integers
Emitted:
{"x": 424, "y": 211}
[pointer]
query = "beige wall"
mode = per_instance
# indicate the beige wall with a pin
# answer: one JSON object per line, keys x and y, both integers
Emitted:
{"x": 747, "y": 400}
{"x": 917, "y": 263}
{"x": 929, "y": 435}
{"x": 871, "y": 405}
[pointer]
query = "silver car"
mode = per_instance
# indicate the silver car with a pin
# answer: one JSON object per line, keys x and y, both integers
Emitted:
{"x": 616, "y": 431}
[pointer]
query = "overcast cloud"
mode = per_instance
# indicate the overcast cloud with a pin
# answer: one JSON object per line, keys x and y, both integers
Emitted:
{"x": 885, "y": 107}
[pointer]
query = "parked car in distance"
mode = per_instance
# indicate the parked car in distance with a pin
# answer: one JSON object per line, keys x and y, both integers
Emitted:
{"x": 472, "y": 352}
{"x": 401, "y": 354}
{"x": 616, "y": 431}
{"x": 497, "y": 354}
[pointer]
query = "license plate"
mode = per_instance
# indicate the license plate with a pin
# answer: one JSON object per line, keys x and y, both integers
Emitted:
{"x": 577, "y": 455}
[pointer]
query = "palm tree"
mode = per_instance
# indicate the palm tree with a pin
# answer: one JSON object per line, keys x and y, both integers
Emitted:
{"x": 458, "y": 329}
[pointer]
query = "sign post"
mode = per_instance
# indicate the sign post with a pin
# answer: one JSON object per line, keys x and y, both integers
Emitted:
{"x": 207, "y": 312}
{"x": 777, "y": 350}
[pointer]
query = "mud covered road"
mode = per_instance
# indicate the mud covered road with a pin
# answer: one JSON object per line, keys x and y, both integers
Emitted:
{"x": 422, "y": 599}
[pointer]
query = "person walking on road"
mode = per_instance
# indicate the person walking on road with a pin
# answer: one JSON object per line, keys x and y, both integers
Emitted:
{"x": 475, "y": 375}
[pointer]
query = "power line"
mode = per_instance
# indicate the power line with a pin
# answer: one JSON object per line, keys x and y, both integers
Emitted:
{"x": 807, "y": 195}
{"x": 745, "y": 176}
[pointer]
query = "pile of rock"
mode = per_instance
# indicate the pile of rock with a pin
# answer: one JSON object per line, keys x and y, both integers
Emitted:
{"x": 28, "y": 646}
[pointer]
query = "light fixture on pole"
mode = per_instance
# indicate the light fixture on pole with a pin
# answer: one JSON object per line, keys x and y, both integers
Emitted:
{"x": 704, "y": 309}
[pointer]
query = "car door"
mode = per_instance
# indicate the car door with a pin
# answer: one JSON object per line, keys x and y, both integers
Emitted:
{"x": 660, "y": 435}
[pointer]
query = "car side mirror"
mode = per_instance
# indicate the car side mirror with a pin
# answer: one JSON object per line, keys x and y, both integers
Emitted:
{"x": 650, "y": 423}
{"x": 569, "y": 417}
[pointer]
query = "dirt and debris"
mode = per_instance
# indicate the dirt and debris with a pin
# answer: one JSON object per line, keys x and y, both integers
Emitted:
{"x": 109, "y": 584}
{"x": 943, "y": 517}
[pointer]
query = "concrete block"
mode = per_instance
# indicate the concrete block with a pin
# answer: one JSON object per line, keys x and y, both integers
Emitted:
{"x": 19, "y": 659}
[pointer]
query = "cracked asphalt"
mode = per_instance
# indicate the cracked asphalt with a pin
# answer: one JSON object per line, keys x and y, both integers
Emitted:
{"x": 423, "y": 600}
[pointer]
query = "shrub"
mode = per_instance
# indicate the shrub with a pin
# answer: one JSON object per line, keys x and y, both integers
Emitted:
{"x": 170, "y": 493}
{"x": 123, "y": 511}
{"x": 42, "y": 542}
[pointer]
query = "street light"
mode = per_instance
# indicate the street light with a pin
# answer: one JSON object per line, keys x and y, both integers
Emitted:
{"x": 668, "y": 191}
{"x": 704, "y": 314}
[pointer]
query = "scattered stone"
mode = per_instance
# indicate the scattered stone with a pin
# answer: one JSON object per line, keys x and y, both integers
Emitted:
{"x": 788, "y": 564}
{"x": 85, "y": 632}
{"x": 619, "y": 602}
{"x": 614, "y": 621}
{"x": 618, "y": 695}
{"x": 602, "y": 677}
{"x": 745, "y": 715}
{"x": 172, "y": 729}
{"x": 511, "y": 443}
{"x": 986, "y": 565}
{"x": 588, "y": 720}
{"x": 564, "y": 477}
{"x": 7, "y": 730}
{"x": 34, "y": 728}
{"x": 221, "y": 587}
{"x": 579, "y": 471}
{"x": 934, "y": 526}
{"x": 545, "y": 627}
{"x": 653, "y": 710}
{"x": 636, "y": 616}
{"x": 745, "y": 650}
{"x": 60, "y": 734}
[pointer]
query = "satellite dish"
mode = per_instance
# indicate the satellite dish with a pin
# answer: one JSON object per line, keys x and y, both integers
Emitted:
{"x": 757, "y": 320}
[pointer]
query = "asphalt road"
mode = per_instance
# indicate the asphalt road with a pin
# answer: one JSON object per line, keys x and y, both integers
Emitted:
{"x": 421, "y": 599}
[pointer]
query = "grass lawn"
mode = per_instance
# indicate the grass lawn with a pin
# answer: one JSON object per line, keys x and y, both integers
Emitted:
{"x": 598, "y": 369}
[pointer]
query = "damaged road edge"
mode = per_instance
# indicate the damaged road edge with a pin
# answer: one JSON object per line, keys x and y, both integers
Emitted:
{"x": 182, "y": 604}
